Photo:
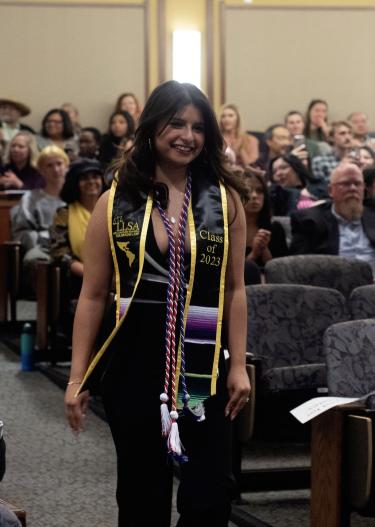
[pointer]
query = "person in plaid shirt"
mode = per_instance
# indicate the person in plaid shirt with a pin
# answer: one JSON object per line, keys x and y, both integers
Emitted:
{"x": 342, "y": 138}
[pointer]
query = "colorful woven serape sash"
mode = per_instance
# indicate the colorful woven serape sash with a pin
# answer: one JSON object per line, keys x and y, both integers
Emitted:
{"x": 204, "y": 298}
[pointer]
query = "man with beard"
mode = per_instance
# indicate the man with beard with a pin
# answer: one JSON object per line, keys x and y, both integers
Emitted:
{"x": 342, "y": 143}
{"x": 342, "y": 225}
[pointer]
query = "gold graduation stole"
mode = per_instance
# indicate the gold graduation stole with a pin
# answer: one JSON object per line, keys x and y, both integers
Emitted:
{"x": 204, "y": 302}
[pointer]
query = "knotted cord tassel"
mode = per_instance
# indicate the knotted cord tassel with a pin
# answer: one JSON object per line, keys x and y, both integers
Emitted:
{"x": 174, "y": 442}
{"x": 166, "y": 421}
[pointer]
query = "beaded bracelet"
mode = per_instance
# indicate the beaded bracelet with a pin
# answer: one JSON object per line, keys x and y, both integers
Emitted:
{"x": 73, "y": 382}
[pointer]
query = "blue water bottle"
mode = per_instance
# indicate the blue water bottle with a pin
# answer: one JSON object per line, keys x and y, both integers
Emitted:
{"x": 27, "y": 348}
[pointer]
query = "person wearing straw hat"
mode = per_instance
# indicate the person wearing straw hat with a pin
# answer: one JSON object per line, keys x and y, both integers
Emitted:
{"x": 11, "y": 112}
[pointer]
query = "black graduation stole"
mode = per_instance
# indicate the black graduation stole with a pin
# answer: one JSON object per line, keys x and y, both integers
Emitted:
{"x": 204, "y": 302}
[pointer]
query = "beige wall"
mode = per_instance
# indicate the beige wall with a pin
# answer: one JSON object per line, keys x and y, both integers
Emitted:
{"x": 105, "y": 72}
{"x": 84, "y": 54}
{"x": 278, "y": 59}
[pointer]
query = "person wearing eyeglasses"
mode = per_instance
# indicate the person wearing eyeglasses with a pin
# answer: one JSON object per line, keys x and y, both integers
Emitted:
{"x": 57, "y": 129}
{"x": 341, "y": 225}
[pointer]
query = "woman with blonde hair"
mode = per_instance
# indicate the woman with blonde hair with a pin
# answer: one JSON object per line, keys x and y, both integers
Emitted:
{"x": 242, "y": 148}
{"x": 20, "y": 170}
{"x": 32, "y": 217}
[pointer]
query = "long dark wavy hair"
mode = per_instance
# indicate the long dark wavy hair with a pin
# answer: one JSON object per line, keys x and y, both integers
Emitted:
{"x": 264, "y": 215}
{"x": 67, "y": 132}
{"x": 303, "y": 173}
{"x": 307, "y": 130}
{"x": 136, "y": 169}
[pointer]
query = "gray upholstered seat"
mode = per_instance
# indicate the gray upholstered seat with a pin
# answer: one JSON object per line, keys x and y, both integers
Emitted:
{"x": 286, "y": 324}
{"x": 319, "y": 270}
{"x": 350, "y": 355}
{"x": 349, "y": 350}
{"x": 362, "y": 302}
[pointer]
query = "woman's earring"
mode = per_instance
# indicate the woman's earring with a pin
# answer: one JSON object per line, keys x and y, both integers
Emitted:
{"x": 150, "y": 144}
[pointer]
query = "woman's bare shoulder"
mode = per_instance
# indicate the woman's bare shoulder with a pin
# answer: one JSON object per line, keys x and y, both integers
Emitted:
{"x": 235, "y": 206}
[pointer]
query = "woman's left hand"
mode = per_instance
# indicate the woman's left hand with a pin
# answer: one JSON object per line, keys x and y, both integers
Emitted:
{"x": 238, "y": 385}
{"x": 9, "y": 179}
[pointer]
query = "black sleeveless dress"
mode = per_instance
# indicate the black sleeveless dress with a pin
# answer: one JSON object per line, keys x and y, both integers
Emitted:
{"x": 130, "y": 387}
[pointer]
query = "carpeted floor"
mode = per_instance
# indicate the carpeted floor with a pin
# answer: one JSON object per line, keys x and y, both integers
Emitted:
{"x": 59, "y": 479}
{"x": 67, "y": 481}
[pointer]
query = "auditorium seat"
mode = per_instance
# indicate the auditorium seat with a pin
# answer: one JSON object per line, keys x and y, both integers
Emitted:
{"x": 285, "y": 326}
{"x": 349, "y": 348}
{"x": 48, "y": 307}
{"x": 319, "y": 270}
{"x": 362, "y": 302}
{"x": 19, "y": 513}
{"x": 10, "y": 271}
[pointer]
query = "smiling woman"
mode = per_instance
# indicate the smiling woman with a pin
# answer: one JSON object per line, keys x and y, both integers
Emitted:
{"x": 57, "y": 129}
{"x": 20, "y": 170}
{"x": 181, "y": 284}
{"x": 82, "y": 188}
{"x": 265, "y": 239}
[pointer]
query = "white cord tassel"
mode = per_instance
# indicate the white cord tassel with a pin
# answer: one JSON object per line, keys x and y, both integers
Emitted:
{"x": 166, "y": 421}
{"x": 174, "y": 442}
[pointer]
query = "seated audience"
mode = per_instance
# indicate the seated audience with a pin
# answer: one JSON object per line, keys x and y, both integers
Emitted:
{"x": 73, "y": 113}
{"x": 89, "y": 142}
{"x": 128, "y": 102}
{"x": 241, "y": 148}
{"x": 292, "y": 185}
{"x": 316, "y": 122}
{"x": 265, "y": 239}
{"x": 120, "y": 134}
{"x": 32, "y": 218}
{"x": 57, "y": 130}
{"x": 342, "y": 225}
{"x": 341, "y": 136}
{"x": 20, "y": 170}
{"x": 11, "y": 112}
{"x": 82, "y": 188}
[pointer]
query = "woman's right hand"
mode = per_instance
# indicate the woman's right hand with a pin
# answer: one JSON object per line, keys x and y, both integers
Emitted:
{"x": 76, "y": 408}
{"x": 260, "y": 242}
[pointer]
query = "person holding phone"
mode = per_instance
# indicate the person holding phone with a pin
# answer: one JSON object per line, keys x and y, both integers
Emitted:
{"x": 295, "y": 123}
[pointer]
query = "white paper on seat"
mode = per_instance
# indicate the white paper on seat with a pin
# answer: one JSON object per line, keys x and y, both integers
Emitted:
{"x": 316, "y": 406}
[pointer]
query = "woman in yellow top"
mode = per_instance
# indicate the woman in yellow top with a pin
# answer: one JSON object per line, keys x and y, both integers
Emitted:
{"x": 242, "y": 149}
{"x": 81, "y": 190}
